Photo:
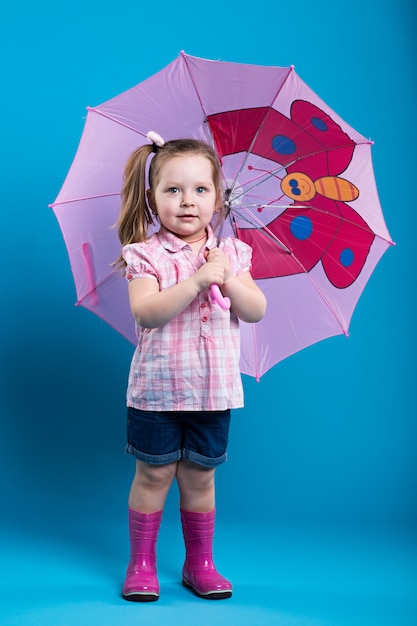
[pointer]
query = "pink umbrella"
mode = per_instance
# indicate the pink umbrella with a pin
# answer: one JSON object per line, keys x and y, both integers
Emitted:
{"x": 299, "y": 182}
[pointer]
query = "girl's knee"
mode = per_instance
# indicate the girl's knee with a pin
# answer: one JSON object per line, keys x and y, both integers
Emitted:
{"x": 195, "y": 476}
{"x": 155, "y": 476}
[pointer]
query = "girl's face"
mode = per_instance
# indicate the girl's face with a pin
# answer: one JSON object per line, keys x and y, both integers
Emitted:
{"x": 185, "y": 196}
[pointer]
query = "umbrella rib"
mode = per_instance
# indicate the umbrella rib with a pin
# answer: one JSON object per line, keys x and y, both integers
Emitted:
{"x": 329, "y": 306}
{"x": 184, "y": 56}
{"x": 116, "y": 121}
{"x": 249, "y": 150}
{"x": 312, "y": 208}
{"x": 255, "y": 353}
{"x": 94, "y": 289}
{"x": 82, "y": 198}
{"x": 253, "y": 221}
{"x": 273, "y": 173}
{"x": 274, "y": 238}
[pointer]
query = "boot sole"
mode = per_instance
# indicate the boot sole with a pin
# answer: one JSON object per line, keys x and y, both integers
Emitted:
{"x": 140, "y": 597}
{"x": 211, "y": 595}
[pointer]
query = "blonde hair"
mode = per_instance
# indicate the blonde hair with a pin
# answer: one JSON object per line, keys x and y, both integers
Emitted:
{"x": 136, "y": 215}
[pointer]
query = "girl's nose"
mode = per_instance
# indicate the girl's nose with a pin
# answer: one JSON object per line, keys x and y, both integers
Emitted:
{"x": 186, "y": 200}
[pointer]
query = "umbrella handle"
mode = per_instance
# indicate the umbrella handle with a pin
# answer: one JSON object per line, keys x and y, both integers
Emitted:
{"x": 216, "y": 296}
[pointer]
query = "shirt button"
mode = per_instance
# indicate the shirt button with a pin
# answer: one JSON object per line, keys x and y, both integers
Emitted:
{"x": 204, "y": 319}
{"x": 203, "y": 305}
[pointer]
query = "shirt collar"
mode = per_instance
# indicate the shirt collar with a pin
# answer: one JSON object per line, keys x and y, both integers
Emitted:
{"x": 172, "y": 243}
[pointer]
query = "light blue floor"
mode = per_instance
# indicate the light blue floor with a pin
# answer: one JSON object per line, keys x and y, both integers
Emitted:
{"x": 297, "y": 577}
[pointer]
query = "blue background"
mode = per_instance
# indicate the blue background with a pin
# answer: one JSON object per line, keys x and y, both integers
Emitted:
{"x": 317, "y": 503}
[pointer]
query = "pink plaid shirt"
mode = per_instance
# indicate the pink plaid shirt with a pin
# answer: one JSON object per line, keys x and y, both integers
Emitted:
{"x": 192, "y": 362}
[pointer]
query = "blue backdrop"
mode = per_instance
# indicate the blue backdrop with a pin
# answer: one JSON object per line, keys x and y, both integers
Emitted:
{"x": 327, "y": 438}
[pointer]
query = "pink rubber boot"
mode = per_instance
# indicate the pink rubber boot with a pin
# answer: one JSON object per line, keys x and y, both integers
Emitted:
{"x": 141, "y": 582}
{"x": 199, "y": 572}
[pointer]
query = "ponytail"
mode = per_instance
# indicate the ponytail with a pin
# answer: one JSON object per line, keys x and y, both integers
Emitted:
{"x": 135, "y": 217}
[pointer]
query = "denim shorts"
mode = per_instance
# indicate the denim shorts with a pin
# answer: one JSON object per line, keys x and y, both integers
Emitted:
{"x": 162, "y": 437}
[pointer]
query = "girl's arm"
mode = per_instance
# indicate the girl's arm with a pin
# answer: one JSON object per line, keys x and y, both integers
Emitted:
{"x": 152, "y": 308}
{"x": 247, "y": 300}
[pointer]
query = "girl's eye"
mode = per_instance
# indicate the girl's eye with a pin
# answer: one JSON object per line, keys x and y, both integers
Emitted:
{"x": 173, "y": 190}
{"x": 201, "y": 189}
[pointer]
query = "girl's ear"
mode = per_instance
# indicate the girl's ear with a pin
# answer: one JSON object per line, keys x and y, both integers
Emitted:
{"x": 151, "y": 202}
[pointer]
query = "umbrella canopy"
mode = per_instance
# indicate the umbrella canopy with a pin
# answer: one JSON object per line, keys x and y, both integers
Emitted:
{"x": 299, "y": 182}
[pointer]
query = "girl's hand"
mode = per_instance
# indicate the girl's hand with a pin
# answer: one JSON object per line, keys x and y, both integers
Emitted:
{"x": 215, "y": 255}
{"x": 210, "y": 273}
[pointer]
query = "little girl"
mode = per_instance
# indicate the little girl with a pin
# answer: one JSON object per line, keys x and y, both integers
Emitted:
{"x": 184, "y": 376}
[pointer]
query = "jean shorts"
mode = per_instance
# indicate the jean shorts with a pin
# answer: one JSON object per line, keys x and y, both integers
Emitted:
{"x": 162, "y": 437}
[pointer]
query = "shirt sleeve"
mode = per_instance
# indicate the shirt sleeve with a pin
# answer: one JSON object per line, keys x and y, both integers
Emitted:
{"x": 239, "y": 253}
{"x": 138, "y": 263}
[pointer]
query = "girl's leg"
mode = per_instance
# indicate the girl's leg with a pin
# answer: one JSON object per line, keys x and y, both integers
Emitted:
{"x": 197, "y": 498}
{"x": 146, "y": 501}
{"x": 150, "y": 486}
{"x": 197, "y": 486}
